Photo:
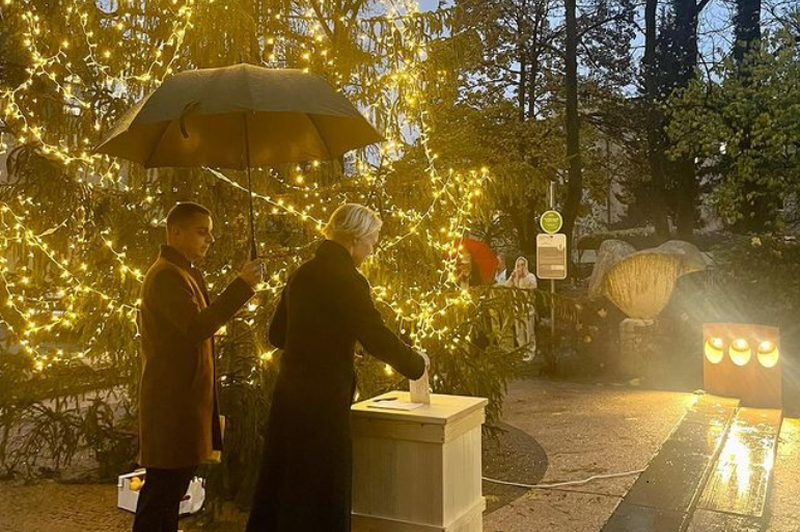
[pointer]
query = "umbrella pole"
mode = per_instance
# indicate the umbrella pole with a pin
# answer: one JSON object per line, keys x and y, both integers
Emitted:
{"x": 253, "y": 250}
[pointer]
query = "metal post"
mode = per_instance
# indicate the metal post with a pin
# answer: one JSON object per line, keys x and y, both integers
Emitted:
{"x": 253, "y": 249}
{"x": 552, "y": 287}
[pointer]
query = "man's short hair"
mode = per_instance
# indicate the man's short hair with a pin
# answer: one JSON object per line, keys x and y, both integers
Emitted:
{"x": 184, "y": 211}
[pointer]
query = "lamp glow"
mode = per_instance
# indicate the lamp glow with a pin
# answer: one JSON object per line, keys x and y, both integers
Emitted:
{"x": 739, "y": 352}
{"x": 713, "y": 350}
{"x": 768, "y": 354}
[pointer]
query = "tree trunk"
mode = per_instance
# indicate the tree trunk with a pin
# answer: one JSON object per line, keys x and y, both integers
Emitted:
{"x": 758, "y": 204}
{"x": 747, "y": 27}
{"x": 686, "y": 12}
{"x": 687, "y": 198}
{"x": 575, "y": 179}
{"x": 534, "y": 55}
{"x": 656, "y": 143}
{"x": 686, "y": 39}
{"x": 532, "y": 86}
{"x": 523, "y": 67}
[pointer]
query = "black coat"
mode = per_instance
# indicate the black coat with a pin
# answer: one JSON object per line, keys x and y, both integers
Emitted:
{"x": 305, "y": 479}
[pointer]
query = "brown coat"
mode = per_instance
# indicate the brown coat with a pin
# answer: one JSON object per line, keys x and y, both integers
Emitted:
{"x": 178, "y": 412}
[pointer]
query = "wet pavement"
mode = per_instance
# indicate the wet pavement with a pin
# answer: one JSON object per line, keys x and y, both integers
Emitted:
{"x": 713, "y": 472}
{"x": 665, "y": 494}
{"x": 584, "y": 430}
{"x": 783, "y": 503}
{"x": 738, "y": 484}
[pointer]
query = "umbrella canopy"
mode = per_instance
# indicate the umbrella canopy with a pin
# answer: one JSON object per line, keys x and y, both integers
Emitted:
{"x": 238, "y": 117}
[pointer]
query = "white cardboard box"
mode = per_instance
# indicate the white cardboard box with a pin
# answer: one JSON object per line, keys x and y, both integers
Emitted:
{"x": 127, "y": 498}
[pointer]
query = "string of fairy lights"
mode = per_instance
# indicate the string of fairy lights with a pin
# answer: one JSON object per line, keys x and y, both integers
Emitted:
{"x": 400, "y": 104}
{"x": 56, "y": 67}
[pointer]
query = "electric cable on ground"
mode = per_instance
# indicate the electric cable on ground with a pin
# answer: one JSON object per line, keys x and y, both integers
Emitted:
{"x": 562, "y": 484}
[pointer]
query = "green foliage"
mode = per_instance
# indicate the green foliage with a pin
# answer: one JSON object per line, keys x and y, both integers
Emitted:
{"x": 499, "y": 103}
{"x": 76, "y": 237}
{"x": 523, "y": 157}
{"x": 643, "y": 238}
{"x": 744, "y": 126}
{"x": 759, "y": 281}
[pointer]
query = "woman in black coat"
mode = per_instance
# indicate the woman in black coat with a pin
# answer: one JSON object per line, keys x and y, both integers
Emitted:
{"x": 305, "y": 479}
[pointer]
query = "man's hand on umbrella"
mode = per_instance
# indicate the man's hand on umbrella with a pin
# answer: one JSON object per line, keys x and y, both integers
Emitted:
{"x": 251, "y": 272}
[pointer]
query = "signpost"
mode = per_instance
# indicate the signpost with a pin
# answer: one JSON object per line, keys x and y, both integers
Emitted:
{"x": 551, "y": 248}
{"x": 551, "y": 256}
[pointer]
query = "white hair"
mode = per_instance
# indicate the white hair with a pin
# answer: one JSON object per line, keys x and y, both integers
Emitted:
{"x": 350, "y": 222}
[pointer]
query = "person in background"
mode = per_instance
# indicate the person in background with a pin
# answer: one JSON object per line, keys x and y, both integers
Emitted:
{"x": 468, "y": 274}
{"x": 501, "y": 274}
{"x": 305, "y": 480}
{"x": 179, "y": 422}
{"x": 524, "y": 326}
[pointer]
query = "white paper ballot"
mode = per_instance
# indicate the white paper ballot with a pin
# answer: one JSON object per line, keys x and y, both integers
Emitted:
{"x": 420, "y": 389}
{"x": 394, "y": 404}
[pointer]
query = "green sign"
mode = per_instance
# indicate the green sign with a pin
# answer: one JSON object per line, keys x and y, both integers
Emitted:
{"x": 551, "y": 222}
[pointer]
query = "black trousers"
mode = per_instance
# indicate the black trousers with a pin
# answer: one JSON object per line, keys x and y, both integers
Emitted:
{"x": 160, "y": 498}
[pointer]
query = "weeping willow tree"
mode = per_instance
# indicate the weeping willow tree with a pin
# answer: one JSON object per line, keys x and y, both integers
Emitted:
{"x": 78, "y": 230}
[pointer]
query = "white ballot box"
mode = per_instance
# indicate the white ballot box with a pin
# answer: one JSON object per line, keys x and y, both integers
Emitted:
{"x": 417, "y": 468}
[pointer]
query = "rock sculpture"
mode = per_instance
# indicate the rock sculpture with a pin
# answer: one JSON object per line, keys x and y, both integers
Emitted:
{"x": 640, "y": 283}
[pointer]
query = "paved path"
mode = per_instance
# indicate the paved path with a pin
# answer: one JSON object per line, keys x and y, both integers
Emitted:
{"x": 783, "y": 506}
{"x": 51, "y": 507}
{"x": 585, "y": 429}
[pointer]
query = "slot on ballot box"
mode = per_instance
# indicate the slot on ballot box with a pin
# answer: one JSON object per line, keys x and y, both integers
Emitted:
{"x": 417, "y": 468}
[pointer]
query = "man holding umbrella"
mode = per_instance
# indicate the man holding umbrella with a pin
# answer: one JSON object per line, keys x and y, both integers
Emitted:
{"x": 179, "y": 423}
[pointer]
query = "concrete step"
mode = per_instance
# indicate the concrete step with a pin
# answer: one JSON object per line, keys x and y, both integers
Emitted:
{"x": 735, "y": 496}
{"x": 711, "y": 475}
{"x": 663, "y": 497}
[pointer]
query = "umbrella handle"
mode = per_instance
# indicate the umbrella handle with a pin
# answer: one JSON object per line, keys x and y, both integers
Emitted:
{"x": 188, "y": 108}
{"x": 253, "y": 251}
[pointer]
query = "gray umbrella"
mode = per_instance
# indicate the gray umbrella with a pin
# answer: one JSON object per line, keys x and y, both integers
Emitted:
{"x": 238, "y": 117}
